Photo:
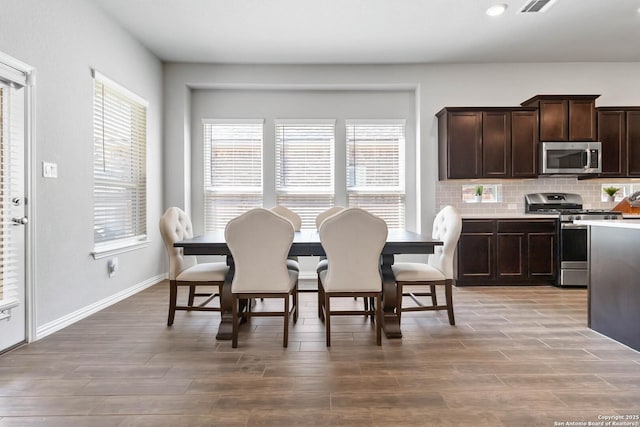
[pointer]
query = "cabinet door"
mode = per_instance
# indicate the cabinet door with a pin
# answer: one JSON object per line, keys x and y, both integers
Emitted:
{"x": 496, "y": 144}
{"x": 554, "y": 115}
{"x": 511, "y": 256}
{"x": 633, "y": 142}
{"x": 542, "y": 255}
{"x": 524, "y": 144}
{"x": 464, "y": 144}
{"x": 582, "y": 120}
{"x": 475, "y": 260}
{"x": 611, "y": 132}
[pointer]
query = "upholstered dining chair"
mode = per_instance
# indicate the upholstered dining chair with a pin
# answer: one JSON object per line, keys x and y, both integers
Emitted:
{"x": 322, "y": 264}
{"x": 353, "y": 240}
{"x": 259, "y": 241}
{"x": 175, "y": 225}
{"x": 292, "y": 261}
{"x": 412, "y": 278}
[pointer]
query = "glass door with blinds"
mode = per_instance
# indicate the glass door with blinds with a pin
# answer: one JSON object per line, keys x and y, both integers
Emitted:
{"x": 13, "y": 228}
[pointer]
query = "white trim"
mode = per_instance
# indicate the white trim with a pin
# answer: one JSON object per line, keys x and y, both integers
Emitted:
{"x": 71, "y": 318}
{"x": 8, "y": 304}
{"x": 374, "y": 122}
{"x": 233, "y": 121}
{"x": 304, "y": 122}
{"x": 118, "y": 87}
{"x": 106, "y": 250}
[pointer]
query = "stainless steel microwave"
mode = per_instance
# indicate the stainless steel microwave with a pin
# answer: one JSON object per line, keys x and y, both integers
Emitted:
{"x": 571, "y": 158}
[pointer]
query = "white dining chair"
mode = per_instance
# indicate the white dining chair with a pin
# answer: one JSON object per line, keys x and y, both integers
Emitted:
{"x": 175, "y": 226}
{"x": 283, "y": 211}
{"x": 353, "y": 240}
{"x": 259, "y": 241}
{"x": 412, "y": 278}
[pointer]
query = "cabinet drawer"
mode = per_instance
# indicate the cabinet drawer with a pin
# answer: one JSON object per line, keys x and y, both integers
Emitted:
{"x": 529, "y": 226}
{"x": 478, "y": 226}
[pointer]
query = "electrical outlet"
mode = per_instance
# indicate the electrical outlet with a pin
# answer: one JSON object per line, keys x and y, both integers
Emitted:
{"x": 112, "y": 266}
{"x": 49, "y": 170}
{"x": 511, "y": 206}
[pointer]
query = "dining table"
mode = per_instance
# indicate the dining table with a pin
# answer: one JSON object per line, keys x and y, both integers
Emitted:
{"x": 306, "y": 242}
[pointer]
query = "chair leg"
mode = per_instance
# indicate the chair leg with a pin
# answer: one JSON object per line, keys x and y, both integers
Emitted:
{"x": 378, "y": 319}
{"x": 399, "y": 301}
{"x": 285, "y": 340}
{"x": 327, "y": 318}
{"x": 320, "y": 298}
{"x": 173, "y": 296}
{"x": 192, "y": 294}
{"x": 295, "y": 304}
{"x": 234, "y": 323}
{"x": 434, "y": 297}
{"x": 449, "y": 295}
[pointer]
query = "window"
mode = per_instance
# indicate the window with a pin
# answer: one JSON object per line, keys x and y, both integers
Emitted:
{"x": 305, "y": 167}
{"x": 482, "y": 193}
{"x": 232, "y": 169}
{"x": 375, "y": 168}
{"x": 119, "y": 166}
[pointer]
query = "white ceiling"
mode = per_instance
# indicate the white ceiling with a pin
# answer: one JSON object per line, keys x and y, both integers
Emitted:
{"x": 380, "y": 31}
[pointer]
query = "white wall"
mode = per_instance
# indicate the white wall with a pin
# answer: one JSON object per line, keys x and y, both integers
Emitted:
{"x": 64, "y": 40}
{"x": 297, "y": 104}
{"x": 437, "y": 86}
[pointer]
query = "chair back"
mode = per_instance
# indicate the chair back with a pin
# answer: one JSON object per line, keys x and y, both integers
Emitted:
{"x": 259, "y": 241}
{"x": 326, "y": 214}
{"x": 446, "y": 227}
{"x": 353, "y": 240}
{"x": 290, "y": 215}
{"x": 175, "y": 226}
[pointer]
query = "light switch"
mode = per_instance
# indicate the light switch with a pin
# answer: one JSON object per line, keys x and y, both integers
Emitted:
{"x": 49, "y": 170}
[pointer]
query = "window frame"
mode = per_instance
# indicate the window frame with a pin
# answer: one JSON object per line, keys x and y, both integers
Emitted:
{"x": 328, "y": 192}
{"x": 398, "y": 190}
{"x": 117, "y": 245}
{"x": 209, "y": 187}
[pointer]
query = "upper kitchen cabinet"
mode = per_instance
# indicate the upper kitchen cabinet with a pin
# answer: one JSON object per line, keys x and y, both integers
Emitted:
{"x": 619, "y": 133}
{"x": 565, "y": 117}
{"x": 487, "y": 142}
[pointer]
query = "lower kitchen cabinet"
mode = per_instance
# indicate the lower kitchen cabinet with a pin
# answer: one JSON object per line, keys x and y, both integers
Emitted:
{"x": 507, "y": 251}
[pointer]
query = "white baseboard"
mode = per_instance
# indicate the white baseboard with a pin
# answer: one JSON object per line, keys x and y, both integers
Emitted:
{"x": 64, "y": 321}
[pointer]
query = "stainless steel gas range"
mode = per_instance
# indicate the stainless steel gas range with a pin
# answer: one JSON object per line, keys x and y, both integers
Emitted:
{"x": 573, "y": 252}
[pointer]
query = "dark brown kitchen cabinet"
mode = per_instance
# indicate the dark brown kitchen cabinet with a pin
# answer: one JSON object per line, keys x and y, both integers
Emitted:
{"x": 565, "y": 117}
{"x": 524, "y": 143}
{"x": 507, "y": 251}
{"x": 490, "y": 142}
{"x": 619, "y": 133}
{"x": 476, "y": 251}
{"x": 460, "y": 144}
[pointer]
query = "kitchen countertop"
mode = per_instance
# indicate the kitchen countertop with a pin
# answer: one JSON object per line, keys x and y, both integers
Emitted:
{"x": 622, "y": 223}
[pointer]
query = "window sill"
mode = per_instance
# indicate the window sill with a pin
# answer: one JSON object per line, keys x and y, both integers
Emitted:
{"x": 108, "y": 251}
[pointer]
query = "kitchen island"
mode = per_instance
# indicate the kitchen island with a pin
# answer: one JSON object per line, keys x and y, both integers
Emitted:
{"x": 614, "y": 285}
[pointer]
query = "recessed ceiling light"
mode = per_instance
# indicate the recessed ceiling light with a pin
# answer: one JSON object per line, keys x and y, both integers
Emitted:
{"x": 497, "y": 9}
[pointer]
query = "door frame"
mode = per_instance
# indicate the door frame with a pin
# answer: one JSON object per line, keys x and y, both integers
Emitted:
{"x": 29, "y": 192}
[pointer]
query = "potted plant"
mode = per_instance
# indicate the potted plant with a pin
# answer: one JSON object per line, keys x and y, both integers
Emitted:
{"x": 478, "y": 193}
{"x": 611, "y": 193}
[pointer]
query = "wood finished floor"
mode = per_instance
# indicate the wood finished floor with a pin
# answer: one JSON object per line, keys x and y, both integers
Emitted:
{"x": 518, "y": 356}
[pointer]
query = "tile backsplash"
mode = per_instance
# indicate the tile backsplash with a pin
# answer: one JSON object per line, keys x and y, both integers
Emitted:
{"x": 450, "y": 193}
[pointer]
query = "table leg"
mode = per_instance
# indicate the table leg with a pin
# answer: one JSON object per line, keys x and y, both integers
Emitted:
{"x": 390, "y": 319}
{"x": 225, "y": 330}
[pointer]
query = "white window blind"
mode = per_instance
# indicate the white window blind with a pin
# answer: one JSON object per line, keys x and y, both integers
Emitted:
{"x": 119, "y": 165}
{"x": 12, "y": 107}
{"x": 375, "y": 169}
{"x": 305, "y": 167}
{"x": 232, "y": 170}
